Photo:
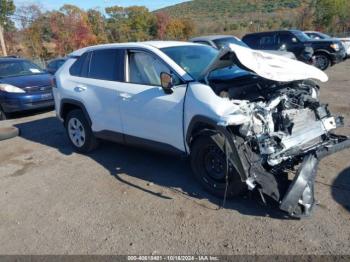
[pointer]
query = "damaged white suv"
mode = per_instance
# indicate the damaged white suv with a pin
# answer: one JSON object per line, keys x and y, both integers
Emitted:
{"x": 246, "y": 118}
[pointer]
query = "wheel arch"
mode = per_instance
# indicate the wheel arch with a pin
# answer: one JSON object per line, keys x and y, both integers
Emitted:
{"x": 68, "y": 105}
{"x": 198, "y": 125}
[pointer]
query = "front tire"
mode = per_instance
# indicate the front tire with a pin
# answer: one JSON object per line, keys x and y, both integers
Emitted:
{"x": 322, "y": 61}
{"x": 79, "y": 132}
{"x": 208, "y": 163}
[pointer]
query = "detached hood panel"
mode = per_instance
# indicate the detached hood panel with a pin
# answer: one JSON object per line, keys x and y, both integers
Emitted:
{"x": 266, "y": 65}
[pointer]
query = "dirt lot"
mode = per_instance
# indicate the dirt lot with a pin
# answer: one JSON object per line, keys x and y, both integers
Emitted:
{"x": 122, "y": 200}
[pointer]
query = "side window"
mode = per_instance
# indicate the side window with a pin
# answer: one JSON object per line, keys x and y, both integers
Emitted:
{"x": 77, "y": 68}
{"x": 266, "y": 40}
{"x": 107, "y": 64}
{"x": 252, "y": 41}
{"x": 285, "y": 39}
{"x": 145, "y": 69}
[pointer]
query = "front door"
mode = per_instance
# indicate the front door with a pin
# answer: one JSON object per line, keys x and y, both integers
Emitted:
{"x": 149, "y": 115}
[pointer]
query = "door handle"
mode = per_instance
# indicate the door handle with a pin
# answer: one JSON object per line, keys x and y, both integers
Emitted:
{"x": 80, "y": 88}
{"x": 125, "y": 96}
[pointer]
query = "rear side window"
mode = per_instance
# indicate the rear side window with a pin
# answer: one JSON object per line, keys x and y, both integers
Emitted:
{"x": 251, "y": 41}
{"x": 107, "y": 64}
{"x": 77, "y": 68}
{"x": 267, "y": 40}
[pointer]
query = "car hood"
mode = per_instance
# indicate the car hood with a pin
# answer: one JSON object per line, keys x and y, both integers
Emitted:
{"x": 266, "y": 65}
{"x": 28, "y": 80}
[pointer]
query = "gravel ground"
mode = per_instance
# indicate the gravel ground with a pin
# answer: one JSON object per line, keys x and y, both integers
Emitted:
{"x": 121, "y": 200}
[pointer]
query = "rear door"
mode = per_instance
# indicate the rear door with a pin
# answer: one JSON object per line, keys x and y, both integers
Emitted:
{"x": 97, "y": 85}
{"x": 268, "y": 41}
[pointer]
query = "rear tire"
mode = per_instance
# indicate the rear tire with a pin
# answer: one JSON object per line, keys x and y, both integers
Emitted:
{"x": 208, "y": 163}
{"x": 79, "y": 132}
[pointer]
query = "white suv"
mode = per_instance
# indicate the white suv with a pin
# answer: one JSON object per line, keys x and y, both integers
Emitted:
{"x": 245, "y": 118}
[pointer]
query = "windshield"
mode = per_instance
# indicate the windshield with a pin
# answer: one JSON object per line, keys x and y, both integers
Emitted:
{"x": 221, "y": 42}
{"x": 18, "y": 68}
{"x": 301, "y": 36}
{"x": 194, "y": 59}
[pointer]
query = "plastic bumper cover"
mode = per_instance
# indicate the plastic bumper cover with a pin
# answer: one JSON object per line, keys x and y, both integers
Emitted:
{"x": 299, "y": 198}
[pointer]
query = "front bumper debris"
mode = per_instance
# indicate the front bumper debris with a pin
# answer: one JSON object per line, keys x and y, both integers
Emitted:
{"x": 299, "y": 200}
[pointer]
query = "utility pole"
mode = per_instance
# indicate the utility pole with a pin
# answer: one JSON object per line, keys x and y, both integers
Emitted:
{"x": 2, "y": 41}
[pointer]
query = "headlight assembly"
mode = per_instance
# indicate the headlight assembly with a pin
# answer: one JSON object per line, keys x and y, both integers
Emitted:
{"x": 10, "y": 89}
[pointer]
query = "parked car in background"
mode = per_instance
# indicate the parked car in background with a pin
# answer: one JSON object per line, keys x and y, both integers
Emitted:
{"x": 241, "y": 132}
{"x": 219, "y": 41}
{"x": 319, "y": 35}
{"x": 54, "y": 64}
{"x": 23, "y": 86}
{"x": 320, "y": 52}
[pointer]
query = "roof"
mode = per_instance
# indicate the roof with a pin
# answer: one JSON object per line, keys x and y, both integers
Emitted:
{"x": 210, "y": 37}
{"x": 147, "y": 44}
{"x": 164, "y": 44}
{"x": 274, "y": 31}
{"x": 11, "y": 59}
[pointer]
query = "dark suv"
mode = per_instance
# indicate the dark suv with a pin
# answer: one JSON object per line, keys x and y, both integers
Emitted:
{"x": 324, "y": 52}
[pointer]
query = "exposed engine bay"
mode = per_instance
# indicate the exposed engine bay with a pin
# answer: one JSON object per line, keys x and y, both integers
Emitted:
{"x": 287, "y": 128}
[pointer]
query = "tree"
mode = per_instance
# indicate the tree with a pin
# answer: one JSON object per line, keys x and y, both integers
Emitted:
{"x": 26, "y": 14}
{"x": 329, "y": 14}
{"x": 77, "y": 31}
{"x": 162, "y": 21}
{"x": 134, "y": 23}
{"x": 7, "y": 8}
{"x": 97, "y": 24}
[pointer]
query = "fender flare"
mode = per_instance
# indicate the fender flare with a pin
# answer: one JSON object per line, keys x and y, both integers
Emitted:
{"x": 322, "y": 51}
{"x": 76, "y": 103}
{"x": 197, "y": 121}
{"x": 207, "y": 124}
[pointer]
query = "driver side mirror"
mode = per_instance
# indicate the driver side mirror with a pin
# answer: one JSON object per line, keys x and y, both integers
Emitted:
{"x": 167, "y": 82}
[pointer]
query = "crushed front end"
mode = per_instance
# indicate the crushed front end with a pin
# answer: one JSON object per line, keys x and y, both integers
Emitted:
{"x": 278, "y": 147}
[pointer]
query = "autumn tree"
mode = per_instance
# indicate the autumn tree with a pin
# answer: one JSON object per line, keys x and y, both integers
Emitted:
{"x": 162, "y": 21}
{"x": 77, "y": 31}
{"x": 134, "y": 23}
{"x": 97, "y": 24}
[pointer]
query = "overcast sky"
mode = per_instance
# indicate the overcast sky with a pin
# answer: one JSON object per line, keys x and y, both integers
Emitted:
{"x": 86, "y": 4}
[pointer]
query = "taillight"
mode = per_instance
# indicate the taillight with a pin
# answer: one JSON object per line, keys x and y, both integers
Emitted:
{"x": 53, "y": 82}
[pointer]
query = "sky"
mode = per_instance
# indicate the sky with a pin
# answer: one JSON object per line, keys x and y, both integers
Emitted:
{"x": 86, "y": 4}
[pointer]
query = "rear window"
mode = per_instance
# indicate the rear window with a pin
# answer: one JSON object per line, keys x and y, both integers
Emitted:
{"x": 107, "y": 64}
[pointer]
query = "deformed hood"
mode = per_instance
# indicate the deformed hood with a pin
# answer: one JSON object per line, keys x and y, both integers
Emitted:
{"x": 266, "y": 65}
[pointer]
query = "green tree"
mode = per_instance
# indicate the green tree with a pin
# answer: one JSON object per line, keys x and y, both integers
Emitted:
{"x": 134, "y": 23}
{"x": 7, "y": 8}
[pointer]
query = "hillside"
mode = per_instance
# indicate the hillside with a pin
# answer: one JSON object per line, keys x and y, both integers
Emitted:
{"x": 238, "y": 16}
